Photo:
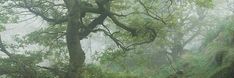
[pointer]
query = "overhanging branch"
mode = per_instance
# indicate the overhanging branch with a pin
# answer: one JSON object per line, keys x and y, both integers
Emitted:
{"x": 121, "y": 25}
{"x": 152, "y": 36}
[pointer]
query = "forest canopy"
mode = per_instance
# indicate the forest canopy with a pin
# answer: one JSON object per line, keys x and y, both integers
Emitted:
{"x": 116, "y": 38}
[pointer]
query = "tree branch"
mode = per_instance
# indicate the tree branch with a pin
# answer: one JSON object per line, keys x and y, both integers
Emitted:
{"x": 121, "y": 25}
{"x": 117, "y": 42}
{"x": 87, "y": 30}
{"x": 149, "y": 14}
{"x": 29, "y": 7}
{"x": 153, "y": 35}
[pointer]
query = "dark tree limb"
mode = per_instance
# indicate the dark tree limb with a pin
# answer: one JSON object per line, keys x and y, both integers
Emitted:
{"x": 152, "y": 36}
{"x": 121, "y": 25}
{"x": 87, "y": 30}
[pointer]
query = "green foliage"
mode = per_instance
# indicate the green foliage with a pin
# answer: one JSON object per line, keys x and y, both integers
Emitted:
{"x": 146, "y": 61}
{"x": 94, "y": 71}
{"x": 220, "y": 36}
{"x": 24, "y": 64}
{"x": 195, "y": 65}
{"x": 221, "y": 40}
{"x": 204, "y": 3}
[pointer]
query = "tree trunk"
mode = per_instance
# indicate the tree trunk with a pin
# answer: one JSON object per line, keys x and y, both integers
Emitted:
{"x": 77, "y": 55}
{"x": 178, "y": 45}
{"x": 176, "y": 52}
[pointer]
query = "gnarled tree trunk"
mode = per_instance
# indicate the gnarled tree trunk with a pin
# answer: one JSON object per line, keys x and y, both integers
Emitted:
{"x": 77, "y": 55}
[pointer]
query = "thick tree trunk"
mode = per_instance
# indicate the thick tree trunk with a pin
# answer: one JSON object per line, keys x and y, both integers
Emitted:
{"x": 77, "y": 55}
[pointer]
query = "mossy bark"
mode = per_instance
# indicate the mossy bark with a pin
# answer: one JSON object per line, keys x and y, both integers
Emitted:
{"x": 77, "y": 55}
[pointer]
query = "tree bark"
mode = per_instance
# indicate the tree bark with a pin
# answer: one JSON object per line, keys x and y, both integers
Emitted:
{"x": 77, "y": 55}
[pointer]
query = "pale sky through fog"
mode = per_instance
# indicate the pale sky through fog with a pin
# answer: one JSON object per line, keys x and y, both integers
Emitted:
{"x": 220, "y": 10}
{"x": 97, "y": 41}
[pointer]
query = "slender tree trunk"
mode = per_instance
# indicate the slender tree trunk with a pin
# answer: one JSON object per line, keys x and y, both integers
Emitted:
{"x": 77, "y": 55}
{"x": 178, "y": 45}
{"x": 176, "y": 51}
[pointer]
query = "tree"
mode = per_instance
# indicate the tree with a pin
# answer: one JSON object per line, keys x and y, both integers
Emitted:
{"x": 74, "y": 15}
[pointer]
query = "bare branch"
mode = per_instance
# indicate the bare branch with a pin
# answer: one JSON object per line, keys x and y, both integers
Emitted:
{"x": 117, "y": 42}
{"x": 152, "y": 32}
{"x": 149, "y": 13}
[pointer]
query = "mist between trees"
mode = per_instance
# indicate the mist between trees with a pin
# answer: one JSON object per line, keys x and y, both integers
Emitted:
{"x": 116, "y": 38}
